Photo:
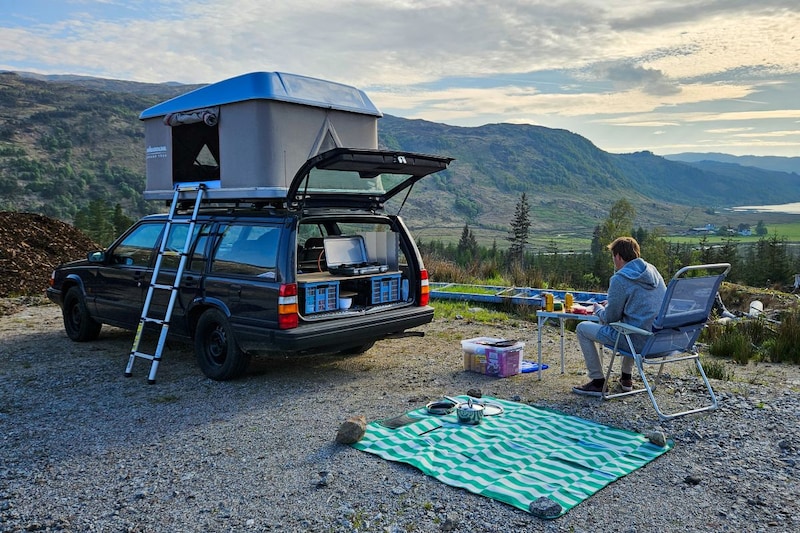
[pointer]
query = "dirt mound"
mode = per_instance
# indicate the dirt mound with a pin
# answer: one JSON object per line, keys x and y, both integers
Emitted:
{"x": 31, "y": 246}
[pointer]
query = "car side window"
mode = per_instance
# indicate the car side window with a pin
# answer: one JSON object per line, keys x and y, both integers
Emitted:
{"x": 198, "y": 257}
{"x": 138, "y": 247}
{"x": 176, "y": 242}
{"x": 247, "y": 250}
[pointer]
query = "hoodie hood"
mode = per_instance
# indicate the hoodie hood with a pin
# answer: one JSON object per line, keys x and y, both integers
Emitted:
{"x": 641, "y": 272}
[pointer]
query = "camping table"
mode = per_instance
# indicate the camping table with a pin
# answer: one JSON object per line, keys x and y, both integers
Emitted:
{"x": 542, "y": 316}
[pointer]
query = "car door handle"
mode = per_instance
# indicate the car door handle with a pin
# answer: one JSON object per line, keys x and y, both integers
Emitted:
{"x": 189, "y": 281}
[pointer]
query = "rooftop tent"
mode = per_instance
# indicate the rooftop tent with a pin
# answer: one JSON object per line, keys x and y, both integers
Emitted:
{"x": 245, "y": 137}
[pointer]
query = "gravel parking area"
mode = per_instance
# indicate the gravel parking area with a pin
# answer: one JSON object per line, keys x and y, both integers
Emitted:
{"x": 83, "y": 448}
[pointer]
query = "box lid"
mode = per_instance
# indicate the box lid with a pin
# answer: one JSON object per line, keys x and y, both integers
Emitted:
{"x": 345, "y": 251}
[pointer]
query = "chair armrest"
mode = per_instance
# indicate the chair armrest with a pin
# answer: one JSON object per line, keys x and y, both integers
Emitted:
{"x": 627, "y": 329}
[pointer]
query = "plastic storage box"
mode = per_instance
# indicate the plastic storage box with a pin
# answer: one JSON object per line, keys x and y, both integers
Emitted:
{"x": 319, "y": 297}
{"x": 385, "y": 288}
{"x": 492, "y": 356}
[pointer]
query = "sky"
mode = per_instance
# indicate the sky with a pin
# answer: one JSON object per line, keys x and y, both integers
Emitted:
{"x": 666, "y": 76}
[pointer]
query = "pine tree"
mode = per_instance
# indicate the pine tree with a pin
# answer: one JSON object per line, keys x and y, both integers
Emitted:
{"x": 467, "y": 245}
{"x": 121, "y": 222}
{"x": 520, "y": 229}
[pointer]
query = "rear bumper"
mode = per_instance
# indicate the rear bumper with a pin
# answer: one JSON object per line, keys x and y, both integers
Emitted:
{"x": 336, "y": 334}
{"x": 55, "y": 296}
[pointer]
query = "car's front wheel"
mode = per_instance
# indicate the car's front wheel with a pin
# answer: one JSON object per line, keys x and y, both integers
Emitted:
{"x": 79, "y": 326}
{"x": 218, "y": 355}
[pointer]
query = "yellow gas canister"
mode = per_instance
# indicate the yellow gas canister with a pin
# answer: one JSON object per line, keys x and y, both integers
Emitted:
{"x": 548, "y": 302}
{"x": 568, "y": 301}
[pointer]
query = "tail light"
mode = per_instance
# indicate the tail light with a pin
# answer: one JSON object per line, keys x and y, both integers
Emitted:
{"x": 424, "y": 289}
{"x": 287, "y": 306}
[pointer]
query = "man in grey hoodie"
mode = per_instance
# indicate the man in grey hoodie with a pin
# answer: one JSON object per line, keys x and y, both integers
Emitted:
{"x": 635, "y": 293}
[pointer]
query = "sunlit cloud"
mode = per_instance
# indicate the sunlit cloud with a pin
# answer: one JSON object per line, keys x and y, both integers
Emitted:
{"x": 618, "y": 72}
{"x": 792, "y": 133}
{"x": 728, "y": 130}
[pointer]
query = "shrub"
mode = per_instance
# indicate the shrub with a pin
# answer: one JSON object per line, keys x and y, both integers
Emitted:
{"x": 732, "y": 342}
{"x": 757, "y": 330}
{"x": 785, "y": 347}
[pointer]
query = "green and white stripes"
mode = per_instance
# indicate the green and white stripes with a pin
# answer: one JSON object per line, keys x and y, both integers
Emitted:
{"x": 517, "y": 456}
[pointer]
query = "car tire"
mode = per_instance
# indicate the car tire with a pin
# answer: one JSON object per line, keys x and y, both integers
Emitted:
{"x": 356, "y": 350}
{"x": 218, "y": 355}
{"x": 80, "y": 327}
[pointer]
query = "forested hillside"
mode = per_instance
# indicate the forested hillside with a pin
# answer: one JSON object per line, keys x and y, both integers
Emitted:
{"x": 74, "y": 149}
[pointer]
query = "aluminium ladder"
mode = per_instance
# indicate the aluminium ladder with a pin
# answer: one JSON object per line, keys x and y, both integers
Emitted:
{"x": 146, "y": 317}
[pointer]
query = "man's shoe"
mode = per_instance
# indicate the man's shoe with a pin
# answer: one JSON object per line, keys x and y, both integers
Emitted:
{"x": 589, "y": 389}
{"x": 626, "y": 385}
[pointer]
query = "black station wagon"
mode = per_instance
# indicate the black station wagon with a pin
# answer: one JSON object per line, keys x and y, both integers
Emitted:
{"x": 324, "y": 269}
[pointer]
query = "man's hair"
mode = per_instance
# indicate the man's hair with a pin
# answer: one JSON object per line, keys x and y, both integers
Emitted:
{"x": 625, "y": 247}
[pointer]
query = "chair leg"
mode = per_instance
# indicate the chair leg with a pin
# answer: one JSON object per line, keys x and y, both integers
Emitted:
{"x": 669, "y": 416}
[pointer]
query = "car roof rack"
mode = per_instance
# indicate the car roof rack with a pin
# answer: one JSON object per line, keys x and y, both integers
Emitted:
{"x": 186, "y": 205}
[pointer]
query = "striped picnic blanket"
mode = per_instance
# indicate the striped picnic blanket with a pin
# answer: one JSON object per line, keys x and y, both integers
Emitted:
{"x": 517, "y": 456}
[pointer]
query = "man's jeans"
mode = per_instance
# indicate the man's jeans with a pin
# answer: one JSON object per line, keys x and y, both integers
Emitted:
{"x": 590, "y": 333}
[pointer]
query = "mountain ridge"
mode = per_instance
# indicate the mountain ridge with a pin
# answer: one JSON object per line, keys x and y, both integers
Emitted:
{"x": 766, "y": 162}
{"x": 69, "y": 141}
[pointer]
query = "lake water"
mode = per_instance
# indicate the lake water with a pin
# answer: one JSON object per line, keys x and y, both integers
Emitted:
{"x": 791, "y": 209}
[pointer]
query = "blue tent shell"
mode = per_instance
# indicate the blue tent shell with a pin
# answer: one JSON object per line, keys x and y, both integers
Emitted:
{"x": 269, "y": 86}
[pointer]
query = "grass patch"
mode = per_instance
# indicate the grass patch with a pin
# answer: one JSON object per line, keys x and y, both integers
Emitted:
{"x": 715, "y": 369}
{"x": 788, "y": 230}
{"x": 468, "y": 289}
{"x": 463, "y": 310}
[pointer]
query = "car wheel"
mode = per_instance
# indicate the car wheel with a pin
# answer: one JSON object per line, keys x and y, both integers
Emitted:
{"x": 79, "y": 326}
{"x": 217, "y": 354}
{"x": 355, "y": 350}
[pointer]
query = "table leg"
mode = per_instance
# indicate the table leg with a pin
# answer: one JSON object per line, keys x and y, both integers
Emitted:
{"x": 561, "y": 325}
{"x": 540, "y": 322}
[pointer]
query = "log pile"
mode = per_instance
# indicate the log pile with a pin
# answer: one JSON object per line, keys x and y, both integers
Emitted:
{"x": 31, "y": 246}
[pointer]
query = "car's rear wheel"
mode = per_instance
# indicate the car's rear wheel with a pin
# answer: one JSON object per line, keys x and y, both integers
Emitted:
{"x": 218, "y": 355}
{"x": 79, "y": 326}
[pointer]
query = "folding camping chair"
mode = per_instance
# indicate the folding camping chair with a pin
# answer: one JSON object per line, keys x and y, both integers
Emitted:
{"x": 684, "y": 312}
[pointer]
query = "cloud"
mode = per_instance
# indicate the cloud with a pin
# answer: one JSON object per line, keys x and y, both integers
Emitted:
{"x": 406, "y": 42}
{"x": 785, "y": 133}
{"x": 579, "y": 64}
{"x": 728, "y": 130}
{"x": 627, "y": 76}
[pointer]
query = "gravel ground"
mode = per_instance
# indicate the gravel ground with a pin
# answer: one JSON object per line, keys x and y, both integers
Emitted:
{"x": 84, "y": 449}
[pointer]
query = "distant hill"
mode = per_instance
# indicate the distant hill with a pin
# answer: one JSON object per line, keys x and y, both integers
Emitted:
{"x": 161, "y": 90}
{"x": 778, "y": 164}
{"x": 70, "y": 140}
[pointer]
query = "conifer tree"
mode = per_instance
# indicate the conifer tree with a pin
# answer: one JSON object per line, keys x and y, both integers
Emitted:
{"x": 520, "y": 229}
{"x": 467, "y": 245}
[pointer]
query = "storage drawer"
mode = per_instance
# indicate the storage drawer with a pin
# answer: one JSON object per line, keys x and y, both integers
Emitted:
{"x": 319, "y": 297}
{"x": 385, "y": 289}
